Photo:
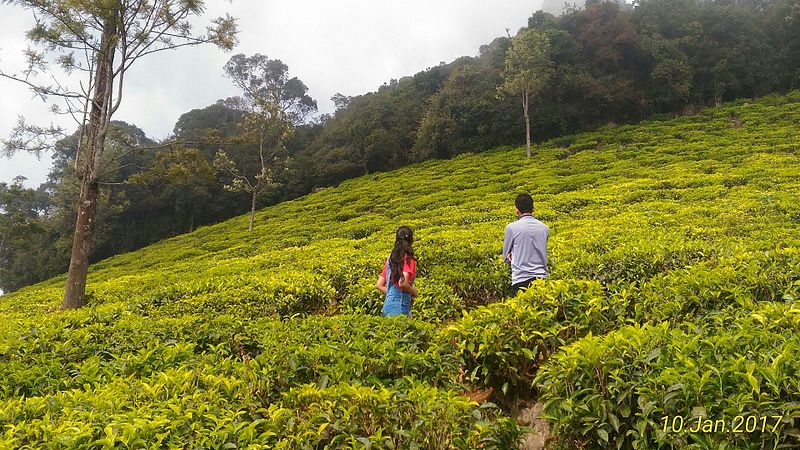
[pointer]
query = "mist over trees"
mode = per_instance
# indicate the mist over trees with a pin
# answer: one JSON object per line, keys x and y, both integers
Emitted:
{"x": 610, "y": 62}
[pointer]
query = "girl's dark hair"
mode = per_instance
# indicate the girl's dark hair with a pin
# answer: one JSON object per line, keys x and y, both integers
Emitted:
{"x": 402, "y": 249}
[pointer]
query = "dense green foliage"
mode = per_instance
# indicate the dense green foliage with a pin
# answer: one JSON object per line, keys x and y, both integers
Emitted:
{"x": 675, "y": 274}
{"x": 613, "y": 63}
{"x": 616, "y": 390}
{"x": 19, "y": 210}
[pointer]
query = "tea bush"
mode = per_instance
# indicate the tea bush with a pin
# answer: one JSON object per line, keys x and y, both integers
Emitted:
{"x": 370, "y": 350}
{"x": 244, "y": 296}
{"x": 503, "y": 344}
{"x": 624, "y": 390}
{"x": 740, "y": 281}
{"x": 348, "y": 416}
{"x": 179, "y": 408}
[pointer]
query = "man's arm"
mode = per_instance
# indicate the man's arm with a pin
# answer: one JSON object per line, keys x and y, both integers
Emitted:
{"x": 508, "y": 245}
{"x": 546, "y": 241}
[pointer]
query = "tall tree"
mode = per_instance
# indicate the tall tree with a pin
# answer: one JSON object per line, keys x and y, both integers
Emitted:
{"x": 270, "y": 129}
{"x": 100, "y": 41}
{"x": 528, "y": 71}
{"x": 274, "y": 104}
{"x": 266, "y": 85}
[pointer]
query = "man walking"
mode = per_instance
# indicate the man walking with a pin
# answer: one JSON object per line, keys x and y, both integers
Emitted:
{"x": 525, "y": 246}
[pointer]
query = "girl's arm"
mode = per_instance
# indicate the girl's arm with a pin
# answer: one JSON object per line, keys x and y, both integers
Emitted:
{"x": 406, "y": 286}
{"x": 381, "y": 284}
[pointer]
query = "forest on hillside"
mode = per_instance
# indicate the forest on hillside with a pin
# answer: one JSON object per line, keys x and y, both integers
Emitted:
{"x": 610, "y": 63}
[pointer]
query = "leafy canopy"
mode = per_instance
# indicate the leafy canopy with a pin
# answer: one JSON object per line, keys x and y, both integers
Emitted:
{"x": 528, "y": 64}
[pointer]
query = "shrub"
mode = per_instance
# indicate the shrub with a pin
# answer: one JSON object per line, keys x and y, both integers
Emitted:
{"x": 622, "y": 389}
{"x": 502, "y": 345}
{"x": 346, "y": 416}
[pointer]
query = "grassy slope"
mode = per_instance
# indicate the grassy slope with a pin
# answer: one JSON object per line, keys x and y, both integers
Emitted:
{"x": 629, "y": 207}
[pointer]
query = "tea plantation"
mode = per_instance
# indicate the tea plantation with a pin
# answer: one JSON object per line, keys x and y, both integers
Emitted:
{"x": 675, "y": 275}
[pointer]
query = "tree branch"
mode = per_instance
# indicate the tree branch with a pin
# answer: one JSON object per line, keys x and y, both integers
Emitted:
{"x": 30, "y": 138}
{"x": 41, "y": 91}
{"x": 59, "y": 19}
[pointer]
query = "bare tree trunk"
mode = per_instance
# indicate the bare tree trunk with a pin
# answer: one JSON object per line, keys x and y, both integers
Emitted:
{"x": 75, "y": 291}
{"x": 525, "y": 103}
{"x": 81, "y": 246}
{"x": 258, "y": 180}
{"x": 252, "y": 211}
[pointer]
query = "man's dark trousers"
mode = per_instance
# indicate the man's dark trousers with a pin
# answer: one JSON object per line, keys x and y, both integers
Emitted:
{"x": 516, "y": 288}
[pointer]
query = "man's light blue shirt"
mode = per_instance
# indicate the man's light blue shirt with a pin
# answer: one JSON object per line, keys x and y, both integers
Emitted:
{"x": 526, "y": 243}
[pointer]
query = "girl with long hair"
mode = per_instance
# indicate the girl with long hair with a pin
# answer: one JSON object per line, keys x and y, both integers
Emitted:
{"x": 397, "y": 278}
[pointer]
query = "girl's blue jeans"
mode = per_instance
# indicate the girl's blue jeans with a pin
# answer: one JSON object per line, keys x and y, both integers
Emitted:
{"x": 397, "y": 305}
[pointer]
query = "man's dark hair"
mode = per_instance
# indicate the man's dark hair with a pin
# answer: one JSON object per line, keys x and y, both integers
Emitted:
{"x": 524, "y": 203}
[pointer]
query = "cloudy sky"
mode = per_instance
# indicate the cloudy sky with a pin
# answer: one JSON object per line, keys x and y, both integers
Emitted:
{"x": 347, "y": 46}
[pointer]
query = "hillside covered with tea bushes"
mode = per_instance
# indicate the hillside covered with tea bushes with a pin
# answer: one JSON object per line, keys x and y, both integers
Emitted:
{"x": 675, "y": 275}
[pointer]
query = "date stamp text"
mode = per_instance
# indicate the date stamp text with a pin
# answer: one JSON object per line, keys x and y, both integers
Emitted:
{"x": 738, "y": 424}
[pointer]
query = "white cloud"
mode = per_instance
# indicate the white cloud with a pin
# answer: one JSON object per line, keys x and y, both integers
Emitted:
{"x": 347, "y": 46}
